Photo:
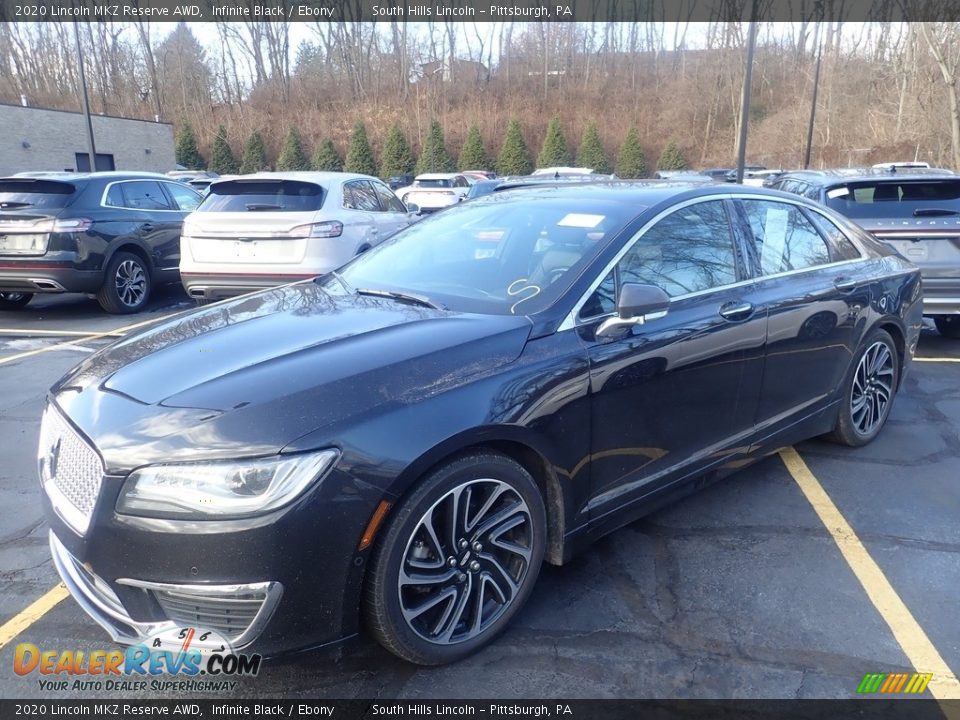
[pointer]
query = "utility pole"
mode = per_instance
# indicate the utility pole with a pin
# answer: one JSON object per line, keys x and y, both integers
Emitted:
{"x": 745, "y": 94}
{"x": 91, "y": 146}
{"x": 813, "y": 104}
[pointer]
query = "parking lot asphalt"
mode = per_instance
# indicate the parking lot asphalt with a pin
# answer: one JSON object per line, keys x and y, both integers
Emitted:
{"x": 739, "y": 591}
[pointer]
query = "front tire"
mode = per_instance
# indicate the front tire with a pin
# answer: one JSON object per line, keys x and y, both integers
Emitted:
{"x": 870, "y": 388}
{"x": 126, "y": 285}
{"x": 14, "y": 300}
{"x": 948, "y": 326}
{"x": 457, "y": 560}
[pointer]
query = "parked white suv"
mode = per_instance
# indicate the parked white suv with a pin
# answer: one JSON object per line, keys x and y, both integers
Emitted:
{"x": 435, "y": 191}
{"x": 267, "y": 229}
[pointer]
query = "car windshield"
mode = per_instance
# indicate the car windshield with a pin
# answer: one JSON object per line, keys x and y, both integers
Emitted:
{"x": 35, "y": 194}
{"x": 263, "y": 195}
{"x": 433, "y": 183}
{"x": 504, "y": 254}
{"x": 896, "y": 198}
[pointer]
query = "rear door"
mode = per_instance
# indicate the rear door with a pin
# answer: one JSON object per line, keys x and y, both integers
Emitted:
{"x": 679, "y": 393}
{"x": 157, "y": 219}
{"x": 808, "y": 287}
{"x": 364, "y": 215}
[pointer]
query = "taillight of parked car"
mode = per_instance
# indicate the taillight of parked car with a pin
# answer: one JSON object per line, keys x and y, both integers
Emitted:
{"x": 65, "y": 225}
{"x": 329, "y": 229}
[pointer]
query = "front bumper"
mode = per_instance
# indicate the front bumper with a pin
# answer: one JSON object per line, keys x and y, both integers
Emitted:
{"x": 295, "y": 574}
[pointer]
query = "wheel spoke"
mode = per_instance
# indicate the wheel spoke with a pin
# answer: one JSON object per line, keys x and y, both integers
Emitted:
{"x": 417, "y": 611}
{"x": 445, "y": 630}
{"x": 485, "y": 508}
{"x": 500, "y": 575}
{"x": 427, "y": 579}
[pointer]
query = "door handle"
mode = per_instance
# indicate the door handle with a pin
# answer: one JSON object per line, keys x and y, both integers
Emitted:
{"x": 844, "y": 284}
{"x": 736, "y": 310}
{"x": 148, "y": 227}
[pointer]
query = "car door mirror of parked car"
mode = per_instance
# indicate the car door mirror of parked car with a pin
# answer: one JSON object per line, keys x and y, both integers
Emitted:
{"x": 412, "y": 208}
{"x": 636, "y": 304}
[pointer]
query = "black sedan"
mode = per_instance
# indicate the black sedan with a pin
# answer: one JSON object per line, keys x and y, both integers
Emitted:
{"x": 110, "y": 234}
{"x": 399, "y": 445}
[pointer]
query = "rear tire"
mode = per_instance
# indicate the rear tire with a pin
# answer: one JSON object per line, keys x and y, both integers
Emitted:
{"x": 948, "y": 326}
{"x": 457, "y": 559}
{"x": 126, "y": 285}
{"x": 14, "y": 300}
{"x": 870, "y": 388}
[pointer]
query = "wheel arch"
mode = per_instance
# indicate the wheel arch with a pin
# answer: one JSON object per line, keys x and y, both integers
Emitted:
{"x": 522, "y": 446}
{"x": 133, "y": 247}
{"x": 894, "y": 329}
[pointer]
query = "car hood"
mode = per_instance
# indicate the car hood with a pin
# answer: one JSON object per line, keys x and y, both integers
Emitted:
{"x": 261, "y": 371}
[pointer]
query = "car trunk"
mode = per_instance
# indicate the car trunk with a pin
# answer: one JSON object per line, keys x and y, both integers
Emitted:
{"x": 28, "y": 207}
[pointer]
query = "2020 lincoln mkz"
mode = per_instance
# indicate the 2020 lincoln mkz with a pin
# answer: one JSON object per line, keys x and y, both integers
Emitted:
{"x": 399, "y": 445}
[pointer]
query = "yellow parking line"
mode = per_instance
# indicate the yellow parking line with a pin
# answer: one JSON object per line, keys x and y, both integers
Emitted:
{"x": 906, "y": 630}
{"x": 935, "y": 359}
{"x": 33, "y": 612}
{"x": 95, "y": 336}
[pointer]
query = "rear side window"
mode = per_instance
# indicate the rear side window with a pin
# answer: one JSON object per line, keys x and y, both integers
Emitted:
{"x": 185, "y": 198}
{"x": 360, "y": 195}
{"x": 388, "y": 200}
{"x": 141, "y": 195}
{"x": 19, "y": 193}
{"x": 263, "y": 196}
{"x": 896, "y": 198}
{"x": 840, "y": 246}
{"x": 785, "y": 239}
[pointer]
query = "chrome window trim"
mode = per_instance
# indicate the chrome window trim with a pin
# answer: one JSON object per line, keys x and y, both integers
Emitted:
{"x": 106, "y": 191}
{"x": 571, "y": 321}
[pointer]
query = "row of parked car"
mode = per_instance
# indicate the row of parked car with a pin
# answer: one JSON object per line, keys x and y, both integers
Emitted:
{"x": 118, "y": 234}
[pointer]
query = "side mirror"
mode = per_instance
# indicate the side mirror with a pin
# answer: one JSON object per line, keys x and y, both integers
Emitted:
{"x": 412, "y": 208}
{"x": 636, "y": 304}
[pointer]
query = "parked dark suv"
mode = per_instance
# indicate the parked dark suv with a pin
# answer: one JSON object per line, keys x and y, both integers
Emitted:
{"x": 112, "y": 234}
{"x": 917, "y": 211}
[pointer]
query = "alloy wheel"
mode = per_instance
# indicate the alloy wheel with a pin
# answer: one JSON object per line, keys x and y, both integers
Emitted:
{"x": 465, "y": 561}
{"x": 872, "y": 388}
{"x": 131, "y": 283}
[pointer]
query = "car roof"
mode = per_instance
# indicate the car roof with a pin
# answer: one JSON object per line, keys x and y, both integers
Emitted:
{"x": 640, "y": 193}
{"x": 436, "y": 176}
{"x": 103, "y": 175}
{"x": 311, "y": 176}
{"x": 840, "y": 175}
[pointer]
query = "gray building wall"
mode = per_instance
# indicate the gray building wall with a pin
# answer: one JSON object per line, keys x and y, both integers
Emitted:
{"x": 54, "y": 137}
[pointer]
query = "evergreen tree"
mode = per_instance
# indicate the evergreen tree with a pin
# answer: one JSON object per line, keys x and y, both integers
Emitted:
{"x": 590, "y": 154}
{"x": 397, "y": 158}
{"x": 631, "y": 162}
{"x": 360, "y": 155}
{"x": 292, "y": 156}
{"x": 222, "y": 159}
{"x": 254, "y": 155}
{"x": 514, "y": 158}
{"x": 554, "y": 150}
{"x": 672, "y": 158}
{"x": 187, "y": 153}
{"x": 327, "y": 158}
{"x": 433, "y": 155}
{"x": 473, "y": 155}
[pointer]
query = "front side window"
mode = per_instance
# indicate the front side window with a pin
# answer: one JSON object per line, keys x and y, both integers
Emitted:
{"x": 688, "y": 251}
{"x": 388, "y": 201}
{"x": 784, "y": 239}
{"x": 144, "y": 195}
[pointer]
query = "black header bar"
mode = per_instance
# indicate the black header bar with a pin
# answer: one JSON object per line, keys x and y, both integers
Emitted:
{"x": 478, "y": 10}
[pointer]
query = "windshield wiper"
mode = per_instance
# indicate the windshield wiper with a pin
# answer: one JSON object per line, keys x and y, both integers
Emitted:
{"x": 13, "y": 205}
{"x": 401, "y": 296}
{"x": 253, "y": 207}
{"x": 931, "y": 212}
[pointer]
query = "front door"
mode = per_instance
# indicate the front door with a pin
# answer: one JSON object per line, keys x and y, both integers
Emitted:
{"x": 677, "y": 394}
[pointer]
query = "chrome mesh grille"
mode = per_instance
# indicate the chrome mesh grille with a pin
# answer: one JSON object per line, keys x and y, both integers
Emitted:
{"x": 70, "y": 470}
{"x": 228, "y": 615}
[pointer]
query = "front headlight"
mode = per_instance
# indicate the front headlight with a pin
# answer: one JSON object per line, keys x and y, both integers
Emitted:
{"x": 219, "y": 490}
